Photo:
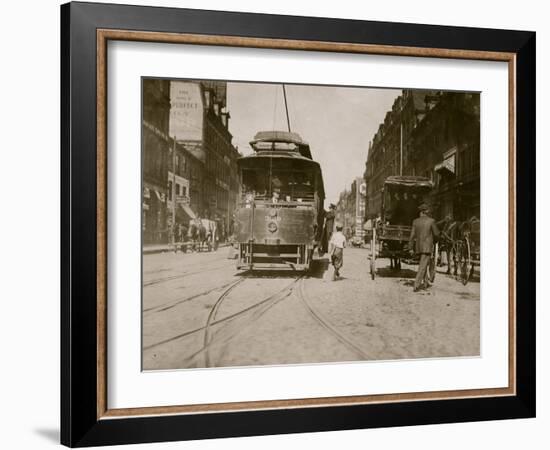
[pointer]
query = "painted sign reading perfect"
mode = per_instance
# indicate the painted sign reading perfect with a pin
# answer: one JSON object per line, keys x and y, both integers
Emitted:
{"x": 186, "y": 111}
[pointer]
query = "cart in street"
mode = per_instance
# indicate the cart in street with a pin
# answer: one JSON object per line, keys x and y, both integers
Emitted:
{"x": 390, "y": 231}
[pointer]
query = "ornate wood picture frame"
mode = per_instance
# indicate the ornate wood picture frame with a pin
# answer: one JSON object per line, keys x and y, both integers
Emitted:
{"x": 86, "y": 418}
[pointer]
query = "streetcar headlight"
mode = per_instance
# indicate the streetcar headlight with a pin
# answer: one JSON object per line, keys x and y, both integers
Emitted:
{"x": 272, "y": 227}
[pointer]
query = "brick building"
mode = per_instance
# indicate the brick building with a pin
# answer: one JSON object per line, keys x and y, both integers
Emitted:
{"x": 433, "y": 134}
{"x": 200, "y": 122}
{"x": 390, "y": 149}
{"x": 184, "y": 186}
{"x": 447, "y": 149}
{"x": 155, "y": 155}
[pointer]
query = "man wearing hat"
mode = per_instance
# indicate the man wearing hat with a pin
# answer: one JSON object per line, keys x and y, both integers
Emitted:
{"x": 336, "y": 250}
{"x": 423, "y": 234}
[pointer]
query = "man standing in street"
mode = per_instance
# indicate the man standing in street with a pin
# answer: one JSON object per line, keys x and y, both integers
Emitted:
{"x": 336, "y": 250}
{"x": 423, "y": 234}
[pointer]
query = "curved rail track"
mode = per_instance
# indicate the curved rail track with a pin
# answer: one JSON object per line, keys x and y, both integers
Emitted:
{"x": 327, "y": 325}
{"x": 218, "y": 331}
{"x": 258, "y": 309}
{"x": 212, "y": 321}
{"x": 180, "y": 275}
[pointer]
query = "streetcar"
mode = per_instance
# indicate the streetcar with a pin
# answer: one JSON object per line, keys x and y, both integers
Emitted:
{"x": 390, "y": 233}
{"x": 279, "y": 216}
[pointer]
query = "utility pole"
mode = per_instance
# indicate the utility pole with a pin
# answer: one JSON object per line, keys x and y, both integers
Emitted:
{"x": 174, "y": 193}
{"x": 286, "y": 109}
{"x": 401, "y": 147}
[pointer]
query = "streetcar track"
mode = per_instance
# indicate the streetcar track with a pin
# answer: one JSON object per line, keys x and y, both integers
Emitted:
{"x": 216, "y": 322}
{"x": 179, "y": 301}
{"x": 267, "y": 303}
{"x": 151, "y": 272}
{"x": 325, "y": 323}
{"x": 196, "y": 330}
{"x": 211, "y": 338}
{"x": 180, "y": 275}
{"x": 168, "y": 269}
{"x": 212, "y": 316}
{"x": 273, "y": 300}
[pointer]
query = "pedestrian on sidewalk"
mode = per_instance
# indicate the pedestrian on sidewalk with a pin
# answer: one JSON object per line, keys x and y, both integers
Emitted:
{"x": 336, "y": 250}
{"x": 423, "y": 234}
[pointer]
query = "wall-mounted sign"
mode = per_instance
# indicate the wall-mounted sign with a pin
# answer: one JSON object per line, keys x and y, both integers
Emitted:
{"x": 186, "y": 111}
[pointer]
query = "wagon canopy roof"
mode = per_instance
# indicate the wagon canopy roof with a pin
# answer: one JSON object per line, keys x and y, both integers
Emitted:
{"x": 409, "y": 181}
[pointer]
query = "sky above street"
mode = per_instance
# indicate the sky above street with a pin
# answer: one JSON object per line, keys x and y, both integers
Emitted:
{"x": 338, "y": 123}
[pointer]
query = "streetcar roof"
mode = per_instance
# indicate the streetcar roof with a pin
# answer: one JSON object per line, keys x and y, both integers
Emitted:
{"x": 278, "y": 136}
{"x": 261, "y": 156}
{"x": 280, "y": 141}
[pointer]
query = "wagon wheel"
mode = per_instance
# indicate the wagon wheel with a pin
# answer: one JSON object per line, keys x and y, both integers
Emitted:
{"x": 432, "y": 264}
{"x": 465, "y": 261}
{"x": 373, "y": 255}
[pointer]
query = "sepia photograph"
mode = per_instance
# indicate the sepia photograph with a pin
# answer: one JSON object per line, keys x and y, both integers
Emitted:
{"x": 291, "y": 224}
{"x": 271, "y": 224}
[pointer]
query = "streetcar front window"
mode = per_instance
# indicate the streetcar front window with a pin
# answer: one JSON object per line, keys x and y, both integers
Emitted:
{"x": 289, "y": 186}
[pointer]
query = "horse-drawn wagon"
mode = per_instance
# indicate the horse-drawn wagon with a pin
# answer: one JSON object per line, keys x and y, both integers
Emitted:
{"x": 390, "y": 231}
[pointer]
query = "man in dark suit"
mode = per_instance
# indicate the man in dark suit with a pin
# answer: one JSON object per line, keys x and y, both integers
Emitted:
{"x": 423, "y": 234}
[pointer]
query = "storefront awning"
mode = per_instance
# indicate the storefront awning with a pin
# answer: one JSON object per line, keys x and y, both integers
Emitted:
{"x": 447, "y": 164}
{"x": 188, "y": 211}
{"x": 160, "y": 196}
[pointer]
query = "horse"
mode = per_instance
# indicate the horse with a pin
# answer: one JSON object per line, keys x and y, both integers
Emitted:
{"x": 193, "y": 234}
{"x": 448, "y": 238}
{"x": 468, "y": 231}
{"x": 202, "y": 236}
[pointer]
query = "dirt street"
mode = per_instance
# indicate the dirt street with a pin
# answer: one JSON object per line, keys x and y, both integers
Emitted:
{"x": 198, "y": 311}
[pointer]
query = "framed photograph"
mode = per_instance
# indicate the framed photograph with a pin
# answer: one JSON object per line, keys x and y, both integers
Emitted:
{"x": 277, "y": 224}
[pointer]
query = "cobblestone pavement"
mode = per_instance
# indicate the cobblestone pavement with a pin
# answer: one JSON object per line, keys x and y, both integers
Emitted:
{"x": 198, "y": 311}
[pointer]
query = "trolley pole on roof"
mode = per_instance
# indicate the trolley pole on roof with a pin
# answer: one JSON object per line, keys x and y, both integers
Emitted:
{"x": 286, "y": 109}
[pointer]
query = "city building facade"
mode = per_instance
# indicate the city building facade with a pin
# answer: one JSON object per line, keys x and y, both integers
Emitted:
{"x": 155, "y": 155}
{"x": 189, "y": 162}
{"x": 350, "y": 209}
{"x": 432, "y": 134}
{"x": 199, "y": 121}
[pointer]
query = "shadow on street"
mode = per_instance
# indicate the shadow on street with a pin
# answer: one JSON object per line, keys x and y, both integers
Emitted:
{"x": 387, "y": 272}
